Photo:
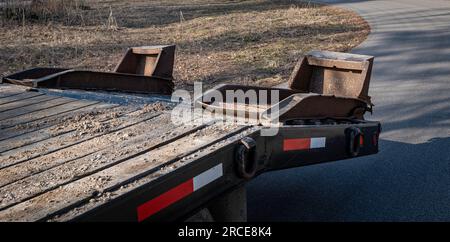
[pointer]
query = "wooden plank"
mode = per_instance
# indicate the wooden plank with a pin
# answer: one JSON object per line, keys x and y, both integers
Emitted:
{"x": 7, "y": 90}
{"x": 34, "y": 108}
{"x": 72, "y": 170}
{"x": 123, "y": 134}
{"x": 48, "y": 122}
{"x": 8, "y": 93}
{"x": 69, "y": 195}
{"x": 67, "y": 145}
{"x": 7, "y": 123}
{"x": 26, "y": 102}
{"x": 18, "y": 97}
{"x": 75, "y": 212}
{"x": 94, "y": 119}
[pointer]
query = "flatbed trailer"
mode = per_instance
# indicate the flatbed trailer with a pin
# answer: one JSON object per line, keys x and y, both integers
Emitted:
{"x": 78, "y": 159}
{"x": 70, "y": 155}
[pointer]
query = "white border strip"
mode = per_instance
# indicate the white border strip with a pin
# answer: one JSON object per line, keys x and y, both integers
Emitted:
{"x": 207, "y": 176}
{"x": 318, "y": 142}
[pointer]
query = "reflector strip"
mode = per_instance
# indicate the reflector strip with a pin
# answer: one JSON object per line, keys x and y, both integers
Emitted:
{"x": 304, "y": 143}
{"x": 175, "y": 194}
{"x": 207, "y": 176}
{"x": 164, "y": 200}
{"x": 318, "y": 142}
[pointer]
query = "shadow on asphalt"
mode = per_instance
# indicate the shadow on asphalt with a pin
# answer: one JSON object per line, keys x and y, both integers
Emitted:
{"x": 373, "y": 188}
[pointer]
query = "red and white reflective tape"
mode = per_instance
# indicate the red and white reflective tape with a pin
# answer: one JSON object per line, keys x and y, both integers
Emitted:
{"x": 304, "y": 143}
{"x": 175, "y": 194}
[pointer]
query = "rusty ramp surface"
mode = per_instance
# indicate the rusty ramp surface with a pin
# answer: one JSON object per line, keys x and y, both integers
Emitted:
{"x": 323, "y": 84}
{"x": 146, "y": 69}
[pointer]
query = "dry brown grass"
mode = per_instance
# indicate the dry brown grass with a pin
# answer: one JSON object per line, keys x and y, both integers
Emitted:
{"x": 247, "y": 42}
{"x": 42, "y": 11}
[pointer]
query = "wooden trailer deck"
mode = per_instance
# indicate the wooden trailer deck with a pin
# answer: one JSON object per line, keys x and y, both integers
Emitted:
{"x": 61, "y": 156}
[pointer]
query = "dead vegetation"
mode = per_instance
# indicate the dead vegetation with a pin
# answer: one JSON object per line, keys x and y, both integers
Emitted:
{"x": 42, "y": 11}
{"x": 239, "y": 41}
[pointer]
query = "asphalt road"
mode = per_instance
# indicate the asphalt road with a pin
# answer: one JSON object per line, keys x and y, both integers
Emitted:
{"x": 409, "y": 180}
